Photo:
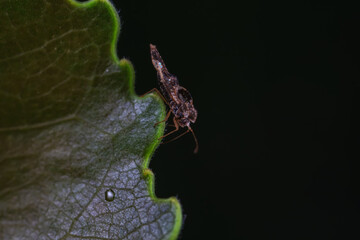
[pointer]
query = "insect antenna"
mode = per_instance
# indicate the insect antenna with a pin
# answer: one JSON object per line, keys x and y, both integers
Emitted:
{"x": 189, "y": 130}
{"x": 196, "y": 141}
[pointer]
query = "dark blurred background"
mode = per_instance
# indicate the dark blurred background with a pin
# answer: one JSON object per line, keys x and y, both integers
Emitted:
{"x": 276, "y": 85}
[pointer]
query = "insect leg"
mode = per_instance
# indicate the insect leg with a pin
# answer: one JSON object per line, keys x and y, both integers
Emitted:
{"x": 177, "y": 136}
{"x": 189, "y": 130}
{"x": 158, "y": 92}
{"x": 166, "y": 118}
{"x": 176, "y": 128}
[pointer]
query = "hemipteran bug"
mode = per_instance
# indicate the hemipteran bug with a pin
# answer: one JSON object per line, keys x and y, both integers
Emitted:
{"x": 175, "y": 96}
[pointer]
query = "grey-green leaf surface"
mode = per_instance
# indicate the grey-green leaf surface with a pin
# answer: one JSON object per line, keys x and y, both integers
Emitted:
{"x": 72, "y": 129}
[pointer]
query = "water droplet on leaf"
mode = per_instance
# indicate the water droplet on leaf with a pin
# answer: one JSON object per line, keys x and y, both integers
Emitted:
{"x": 109, "y": 195}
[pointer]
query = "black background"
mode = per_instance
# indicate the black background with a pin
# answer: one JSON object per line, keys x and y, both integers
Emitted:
{"x": 276, "y": 86}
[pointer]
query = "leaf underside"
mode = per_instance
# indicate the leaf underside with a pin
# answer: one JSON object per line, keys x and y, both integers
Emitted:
{"x": 71, "y": 128}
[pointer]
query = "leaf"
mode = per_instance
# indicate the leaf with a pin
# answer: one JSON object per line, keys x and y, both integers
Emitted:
{"x": 71, "y": 128}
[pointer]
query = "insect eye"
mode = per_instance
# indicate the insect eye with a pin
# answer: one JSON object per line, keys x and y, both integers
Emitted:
{"x": 184, "y": 95}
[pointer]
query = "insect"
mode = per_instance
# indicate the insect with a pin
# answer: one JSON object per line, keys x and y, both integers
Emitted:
{"x": 175, "y": 96}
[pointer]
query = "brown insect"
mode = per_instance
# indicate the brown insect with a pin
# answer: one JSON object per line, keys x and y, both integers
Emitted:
{"x": 175, "y": 96}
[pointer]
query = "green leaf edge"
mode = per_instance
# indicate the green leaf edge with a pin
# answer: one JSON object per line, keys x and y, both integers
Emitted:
{"x": 127, "y": 67}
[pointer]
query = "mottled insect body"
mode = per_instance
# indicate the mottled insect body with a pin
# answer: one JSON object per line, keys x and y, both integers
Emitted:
{"x": 177, "y": 97}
